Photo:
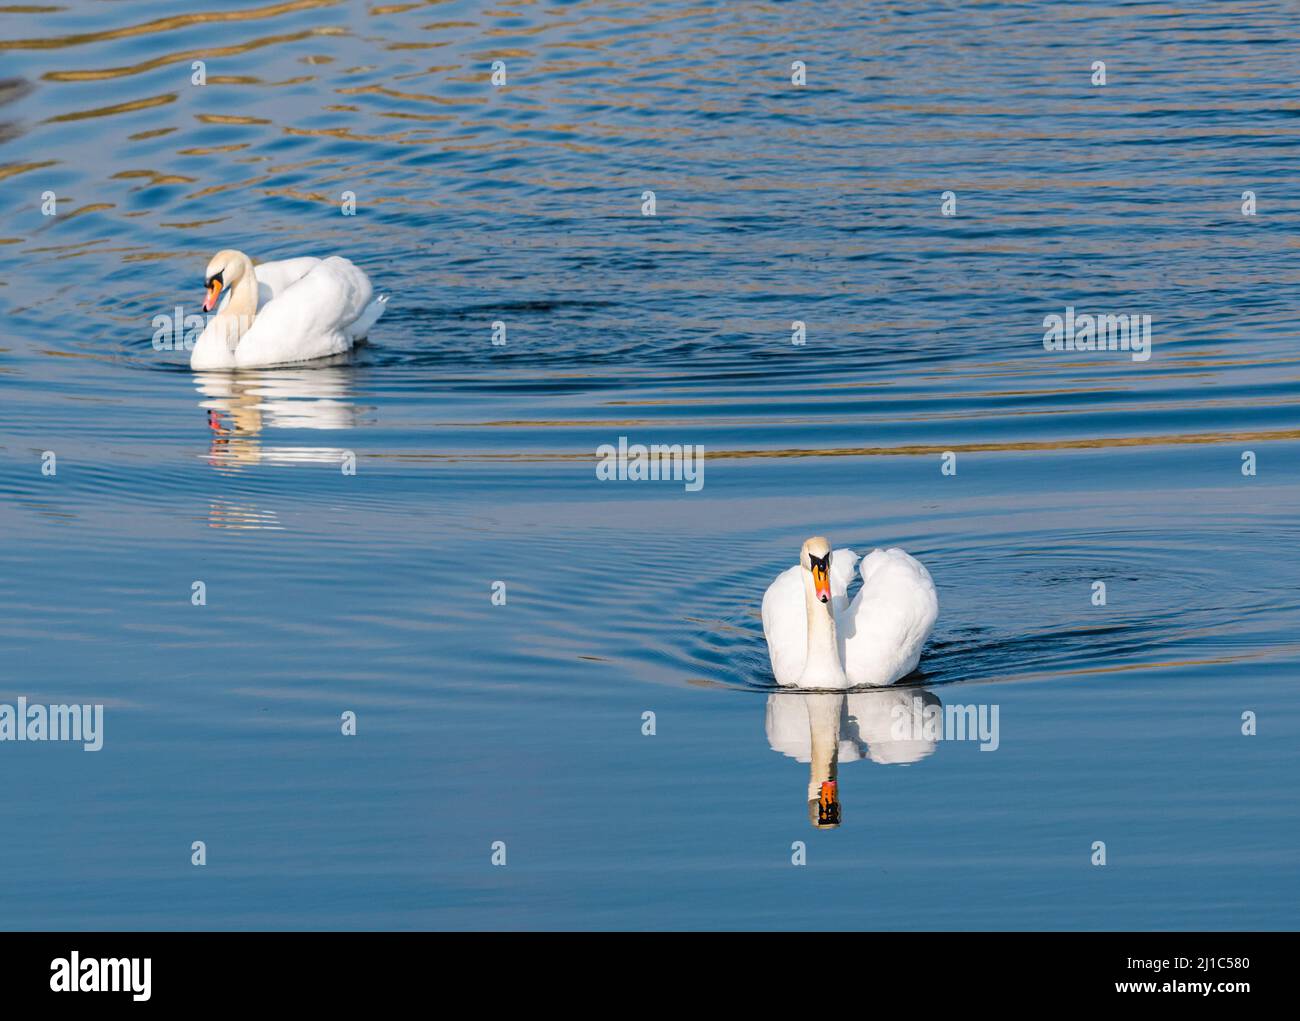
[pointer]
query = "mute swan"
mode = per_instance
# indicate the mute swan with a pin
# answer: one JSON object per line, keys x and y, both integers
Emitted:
{"x": 295, "y": 310}
{"x": 817, "y": 638}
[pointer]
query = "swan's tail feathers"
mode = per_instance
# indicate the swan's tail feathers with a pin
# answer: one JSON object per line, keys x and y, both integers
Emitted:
{"x": 369, "y": 316}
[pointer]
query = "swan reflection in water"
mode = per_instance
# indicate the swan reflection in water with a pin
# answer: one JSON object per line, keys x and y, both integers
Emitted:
{"x": 824, "y": 729}
{"x": 241, "y": 405}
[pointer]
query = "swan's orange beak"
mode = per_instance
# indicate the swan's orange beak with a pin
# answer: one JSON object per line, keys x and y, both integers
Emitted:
{"x": 214, "y": 292}
{"x": 822, "y": 583}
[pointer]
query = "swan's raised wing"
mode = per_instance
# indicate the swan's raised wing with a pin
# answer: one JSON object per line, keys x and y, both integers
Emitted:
{"x": 785, "y": 619}
{"x": 310, "y": 318}
{"x": 883, "y": 630}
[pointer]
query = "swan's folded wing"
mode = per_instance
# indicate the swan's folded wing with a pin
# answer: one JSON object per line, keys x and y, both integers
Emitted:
{"x": 842, "y": 563}
{"x": 274, "y": 278}
{"x": 785, "y": 617}
{"x": 890, "y": 618}
{"x": 310, "y": 319}
{"x": 785, "y": 626}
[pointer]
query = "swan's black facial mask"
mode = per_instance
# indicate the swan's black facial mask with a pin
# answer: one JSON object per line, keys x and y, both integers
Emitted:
{"x": 821, "y": 572}
{"x": 213, "y": 284}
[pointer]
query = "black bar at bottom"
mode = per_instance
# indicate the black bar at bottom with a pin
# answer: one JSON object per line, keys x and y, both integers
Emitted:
{"x": 340, "y": 970}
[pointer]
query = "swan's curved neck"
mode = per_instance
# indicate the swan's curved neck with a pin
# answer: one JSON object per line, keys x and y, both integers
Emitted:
{"x": 236, "y": 316}
{"x": 822, "y": 667}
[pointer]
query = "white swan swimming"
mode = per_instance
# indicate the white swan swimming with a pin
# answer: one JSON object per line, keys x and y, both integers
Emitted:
{"x": 277, "y": 313}
{"x": 817, "y": 638}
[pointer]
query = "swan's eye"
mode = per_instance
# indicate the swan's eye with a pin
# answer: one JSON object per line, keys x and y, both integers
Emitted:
{"x": 216, "y": 277}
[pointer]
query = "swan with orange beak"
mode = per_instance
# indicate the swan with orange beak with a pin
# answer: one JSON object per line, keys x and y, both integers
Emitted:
{"x": 279, "y": 313}
{"x": 817, "y": 639}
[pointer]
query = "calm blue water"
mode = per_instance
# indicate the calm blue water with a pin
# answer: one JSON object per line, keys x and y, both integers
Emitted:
{"x": 522, "y": 722}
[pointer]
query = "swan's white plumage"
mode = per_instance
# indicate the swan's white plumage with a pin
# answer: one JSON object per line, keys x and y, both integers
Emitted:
{"x": 307, "y": 308}
{"x": 880, "y": 633}
{"x": 274, "y": 278}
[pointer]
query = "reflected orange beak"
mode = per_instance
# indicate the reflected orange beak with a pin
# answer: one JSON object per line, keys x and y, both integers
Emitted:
{"x": 214, "y": 292}
{"x": 828, "y": 806}
{"x": 822, "y": 583}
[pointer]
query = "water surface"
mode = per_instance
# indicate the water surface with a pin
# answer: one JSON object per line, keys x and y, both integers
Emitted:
{"x": 371, "y": 592}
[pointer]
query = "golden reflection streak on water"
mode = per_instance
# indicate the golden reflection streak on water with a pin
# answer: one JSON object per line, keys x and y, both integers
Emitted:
{"x": 94, "y": 207}
{"x": 186, "y": 56}
{"x": 427, "y": 118}
{"x": 415, "y": 46}
{"x": 1092, "y": 443}
{"x": 438, "y": 26}
{"x": 190, "y": 225}
{"x": 909, "y": 450}
{"x": 737, "y": 421}
{"x": 93, "y": 248}
{"x": 76, "y": 248}
{"x": 164, "y": 25}
{"x": 414, "y": 97}
{"x": 402, "y": 138}
{"x": 14, "y": 169}
{"x": 212, "y": 150}
{"x": 109, "y": 111}
{"x": 327, "y": 200}
{"x": 1119, "y": 668}
{"x": 140, "y": 136}
{"x": 152, "y": 176}
{"x": 157, "y": 256}
{"x": 250, "y": 79}
{"x": 1168, "y": 362}
{"x": 1085, "y": 159}
{"x": 929, "y": 415}
{"x": 229, "y": 118}
{"x": 433, "y": 69}
{"x": 216, "y": 189}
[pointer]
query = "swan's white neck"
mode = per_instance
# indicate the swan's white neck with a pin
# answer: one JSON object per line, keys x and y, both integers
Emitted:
{"x": 822, "y": 667}
{"x": 215, "y": 348}
{"x": 236, "y": 316}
